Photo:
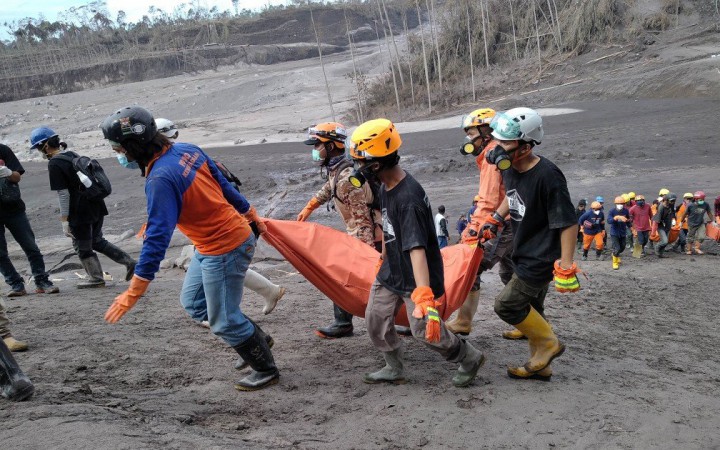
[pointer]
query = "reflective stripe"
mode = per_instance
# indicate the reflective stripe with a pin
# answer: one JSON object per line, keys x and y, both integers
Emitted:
{"x": 432, "y": 314}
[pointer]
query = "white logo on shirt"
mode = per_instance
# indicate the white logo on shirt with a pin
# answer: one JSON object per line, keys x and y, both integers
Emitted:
{"x": 388, "y": 229}
{"x": 516, "y": 204}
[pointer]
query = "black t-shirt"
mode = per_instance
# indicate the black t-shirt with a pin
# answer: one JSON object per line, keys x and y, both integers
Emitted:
{"x": 407, "y": 224}
{"x": 696, "y": 214}
{"x": 64, "y": 176}
{"x": 540, "y": 208}
{"x": 12, "y": 163}
{"x": 664, "y": 217}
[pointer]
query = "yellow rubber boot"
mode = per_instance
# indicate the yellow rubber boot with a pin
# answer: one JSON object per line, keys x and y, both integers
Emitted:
{"x": 462, "y": 323}
{"x": 513, "y": 334}
{"x": 615, "y": 262}
{"x": 544, "y": 345}
{"x": 519, "y": 373}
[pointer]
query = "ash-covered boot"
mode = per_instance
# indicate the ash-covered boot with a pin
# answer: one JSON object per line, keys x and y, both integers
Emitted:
{"x": 470, "y": 359}
{"x": 95, "y": 274}
{"x": 14, "y": 384}
{"x": 393, "y": 372}
{"x": 241, "y": 363}
{"x": 271, "y": 292}
{"x": 119, "y": 256}
{"x": 341, "y": 327}
{"x": 462, "y": 323}
{"x": 257, "y": 353}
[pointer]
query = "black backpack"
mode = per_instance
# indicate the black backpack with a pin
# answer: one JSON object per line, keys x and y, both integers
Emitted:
{"x": 232, "y": 179}
{"x": 100, "y": 187}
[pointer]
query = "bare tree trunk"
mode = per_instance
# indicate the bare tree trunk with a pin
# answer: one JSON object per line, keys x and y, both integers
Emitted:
{"x": 392, "y": 36}
{"x": 435, "y": 40}
{"x": 482, "y": 17}
{"x": 677, "y": 14}
{"x": 387, "y": 44}
{"x": 537, "y": 35}
{"x": 409, "y": 62}
{"x": 470, "y": 47}
{"x": 512, "y": 20}
{"x": 557, "y": 19}
{"x": 322, "y": 65}
{"x": 355, "y": 74}
{"x": 422, "y": 41}
{"x": 382, "y": 60}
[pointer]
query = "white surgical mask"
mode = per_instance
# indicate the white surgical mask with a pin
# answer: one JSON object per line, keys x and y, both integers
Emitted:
{"x": 620, "y": 207}
{"x": 596, "y": 212}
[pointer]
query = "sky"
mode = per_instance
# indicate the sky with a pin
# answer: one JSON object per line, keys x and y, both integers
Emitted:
{"x": 12, "y": 10}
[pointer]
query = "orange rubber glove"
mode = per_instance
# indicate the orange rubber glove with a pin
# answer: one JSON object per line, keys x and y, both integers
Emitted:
{"x": 425, "y": 305}
{"x": 311, "y": 206}
{"x": 471, "y": 233}
{"x": 492, "y": 226}
{"x": 252, "y": 216}
{"x": 127, "y": 299}
{"x": 566, "y": 279}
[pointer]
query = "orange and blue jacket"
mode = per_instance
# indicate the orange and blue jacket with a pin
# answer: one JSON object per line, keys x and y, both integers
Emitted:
{"x": 184, "y": 188}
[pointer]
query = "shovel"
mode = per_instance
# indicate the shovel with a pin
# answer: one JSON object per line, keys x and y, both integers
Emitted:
{"x": 637, "y": 250}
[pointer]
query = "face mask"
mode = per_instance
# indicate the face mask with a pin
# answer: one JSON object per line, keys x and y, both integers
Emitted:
{"x": 641, "y": 202}
{"x": 499, "y": 157}
{"x": 122, "y": 159}
{"x": 316, "y": 155}
{"x": 701, "y": 202}
{"x": 620, "y": 207}
{"x": 596, "y": 212}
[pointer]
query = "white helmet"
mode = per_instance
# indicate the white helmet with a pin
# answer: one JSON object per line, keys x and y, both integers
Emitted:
{"x": 523, "y": 124}
{"x": 167, "y": 128}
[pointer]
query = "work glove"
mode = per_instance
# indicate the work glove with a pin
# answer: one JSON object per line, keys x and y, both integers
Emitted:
{"x": 470, "y": 234}
{"x": 66, "y": 229}
{"x": 425, "y": 306}
{"x": 655, "y": 236}
{"x": 311, "y": 206}
{"x": 5, "y": 172}
{"x": 127, "y": 299}
{"x": 620, "y": 219}
{"x": 566, "y": 280}
{"x": 492, "y": 226}
{"x": 252, "y": 217}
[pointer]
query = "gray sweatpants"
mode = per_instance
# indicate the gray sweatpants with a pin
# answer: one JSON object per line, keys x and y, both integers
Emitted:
{"x": 380, "y": 321}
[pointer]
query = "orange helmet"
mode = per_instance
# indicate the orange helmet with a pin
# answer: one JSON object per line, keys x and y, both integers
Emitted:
{"x": 620, "y": 200}
{"x": 326, "y": 132}
{"x": 482, "y": 116}
{"x": 640, "y": 197}
{"x": 595, "y": 205}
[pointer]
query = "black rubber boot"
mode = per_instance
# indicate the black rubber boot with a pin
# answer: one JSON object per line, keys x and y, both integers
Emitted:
{"x": 95, "y": 274}
{"x": 241, "y": 363}
{"x": 257, "y": 353}
{"x": 119, "y": 256}
{"x": 341, "y": 327}
{"x": 14, "y": 384}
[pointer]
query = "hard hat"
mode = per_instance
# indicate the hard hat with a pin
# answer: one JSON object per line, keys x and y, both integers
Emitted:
{"x": 523, "y": 124}
{"x": 482, "y": 116}
{"x": 595, "y": 205}
{"x": 600, "y": 199}
{"x": 640, "y": 197}
{"x": 620, "y": 199}
{"x": 663, "y": 192}
{"x": 130, "y": 123}
{"x": 700, "y": 195}
{"x": 376, "y": 138}
{"x": 477, "y": 198}
{"x": 688, "y": 195}
{"x": 632, "y": 195}
{"x": 582, "y": 202}
{"x": 671, "y": 197}
{"x": 40, "y": 136}
{"x": 626, "y": 197}
{"x": 326, "y": 132}
{"x": 166, "y": 127}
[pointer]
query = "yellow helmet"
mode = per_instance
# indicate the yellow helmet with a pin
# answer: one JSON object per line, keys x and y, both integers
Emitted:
{"x": 375, "y": 139}
{"x": 663, "y": 191}
{"x": 482, "y": 116}
{"x": 632, "y": 195}
{"x": 626, "y": 198}
{"x": 688, "y": 195}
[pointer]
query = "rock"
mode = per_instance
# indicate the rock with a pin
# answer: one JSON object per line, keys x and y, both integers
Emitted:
{"x": 185, "y": 256}
{"x": 126, "y": 235}
{"x": 167, "y": 263}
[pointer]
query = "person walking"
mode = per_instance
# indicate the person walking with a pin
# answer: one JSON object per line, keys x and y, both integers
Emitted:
{"x": 81, "y": 217}
{"x": 698, "y": 214}
{"x": 619, "y": 219}
{"x": 462, "y": 223}
{"x": 441, "y": 227}
{"x": 593, "y": 225}
{"x": 641, "y": 219}
{"x": 662, "y": 222}
{"x": 184, "y": 188}
{"x": 579, "y": 211}
{"x": 14, "y": 219}
{"x": 411, "y": 267}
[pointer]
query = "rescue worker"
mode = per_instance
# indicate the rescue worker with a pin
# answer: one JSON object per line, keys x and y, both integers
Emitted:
{"x": 629, "y": 203}
{"x": 619, "y": 220}
{"x": 641, "y": 218}
{"x": 184, "y": 188}
{"x": 15, "y": 220}
{"x": 579, "y": 211}
{"x": 491, "y": 192}
{"x": 600, "y": 199}
{"x": 696, "y": 215}
{"x": 544, "y": 230}
{"x": 461, "y": 225}
{"x": 471, "y": 211}
{"x": 256, "y": 282}
{"x": 354, "y": 204}
{"x": 593, "y": 225}
{"x": 679, "y": 245}
{"x": 411, "y": 268}
{"x": 662, "y": 222}
{"x": 81, "y": 218}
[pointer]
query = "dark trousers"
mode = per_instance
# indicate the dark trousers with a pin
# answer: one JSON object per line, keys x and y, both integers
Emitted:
{"x": 89, "y": 237}
{"x": 513, "y": 303}
{"x": 618, "y": 245}
{"x": 643, "y": 237}
{"x": 19, "y": 226}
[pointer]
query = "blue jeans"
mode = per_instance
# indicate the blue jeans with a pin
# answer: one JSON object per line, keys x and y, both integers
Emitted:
{"x": 19, "y": 226}
{"x": 213, "y": 289}
{"x": 442, "y": 241}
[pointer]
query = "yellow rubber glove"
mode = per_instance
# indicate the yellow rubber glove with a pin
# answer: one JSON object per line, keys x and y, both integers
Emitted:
{"x": 311, "y": 206}
{"x": 127, "y": 299}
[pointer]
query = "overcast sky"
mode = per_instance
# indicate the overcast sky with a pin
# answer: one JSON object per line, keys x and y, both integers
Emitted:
{"x": 11, "y": 10}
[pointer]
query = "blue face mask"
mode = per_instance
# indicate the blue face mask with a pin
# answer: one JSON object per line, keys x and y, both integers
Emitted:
{"x": 316, "y": 155}
{"x": 122, "y": 159}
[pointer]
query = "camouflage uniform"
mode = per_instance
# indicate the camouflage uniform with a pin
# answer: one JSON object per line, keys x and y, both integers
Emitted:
{"x": 352, "y": 204}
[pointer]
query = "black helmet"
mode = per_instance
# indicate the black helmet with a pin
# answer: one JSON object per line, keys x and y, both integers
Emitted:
{"x": 671, "y": 197}
{"x": 130, "y": 123}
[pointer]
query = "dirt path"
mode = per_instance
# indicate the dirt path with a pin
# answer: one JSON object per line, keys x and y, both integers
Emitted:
{"x": 640, "y": 370}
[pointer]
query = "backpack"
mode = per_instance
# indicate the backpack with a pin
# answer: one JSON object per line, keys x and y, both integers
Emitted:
{"x": 90, "y": 168}
{"x": 232, "y": 179}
